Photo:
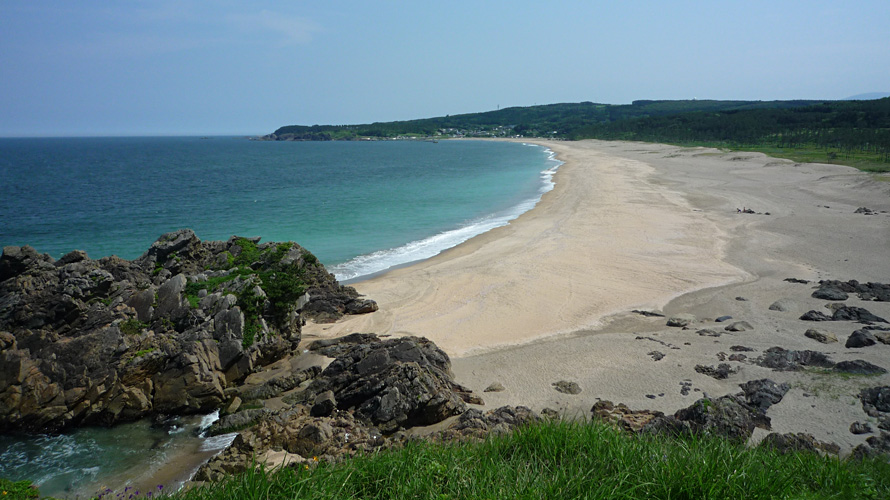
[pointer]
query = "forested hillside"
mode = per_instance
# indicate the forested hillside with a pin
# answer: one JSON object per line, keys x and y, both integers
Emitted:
{"x": 852, "y": 130}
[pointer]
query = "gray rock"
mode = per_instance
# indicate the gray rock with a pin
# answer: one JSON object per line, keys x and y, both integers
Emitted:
{"x": 828, "y": 293}
{"x": 882, "y": 336}
{"x": 325, "y": 404}
{"x": 170, "y": 295}
{"x": 797, "y": 442}
{"x": 860, "y": 428}
{"x": 859, "y": 367}
{"x": 875, "y": 447}
{"x": 707, "y": 332}
{"x": 722, "y": 371}
{"x": 721, "y": 319}
{"x": 494, "y": 387}
{"x": 142, "y": 301}
{"x": 764, "y": 393}
{"x": 815, "y": 316}
{"x": 849, "y": 313}
{"x": 860, "y": 338}
{"x": 875, "y": 399}
{"x": 781, "y": 359}
{"x": 782, "y": 305}
{"x": 656, "y": 355}
{"x": 727, "y": 416}
{"x": 739, "y": 326}
{"x": 823, "y": 336}
{"x": 681, "y": 320}
{"x": 567, "y": 387}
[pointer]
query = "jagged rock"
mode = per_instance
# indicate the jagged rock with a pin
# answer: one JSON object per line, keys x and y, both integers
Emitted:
{"x": 236, "y": 421}
{"x": 860, "y": 338}
{"x": 681, "y": 320}
{"x": 875, "y": 399}
{"x": 823, "y": 336}
{"x": 392, "y": 383}
{"x": 739, "y": 326}
{"x": 325, "y": 404}
{"x": 567, "y": 387}
{"x": 781, "y": 359}
{"x": 876, "y": 446}
{"x": 850, "y": 313}
{"x": 860, "y": 428}
{"x": 764, "y": 393}
{"x": 727, "y": 416}
{"x": 858, "y": 367}
{"x": 95, "y": 342}
{"x": 722, "y": 371}
{"x": 815, "y": 316}
{"x": 830, "y": 293}
{"x": 656, "y": 355}
{"x": 796, "y": 442}
{"x": 782, "y": 305}
{"x": 494, "y": 387}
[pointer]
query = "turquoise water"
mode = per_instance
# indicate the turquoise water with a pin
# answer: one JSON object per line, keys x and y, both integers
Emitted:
{"x": 361, "y": 207}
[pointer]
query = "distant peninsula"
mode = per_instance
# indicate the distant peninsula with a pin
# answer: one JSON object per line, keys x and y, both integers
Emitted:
{"x": 852, "y": 132}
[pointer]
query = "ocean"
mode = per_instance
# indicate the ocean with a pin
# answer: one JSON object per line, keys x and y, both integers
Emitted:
{"x": 360, "y": 207}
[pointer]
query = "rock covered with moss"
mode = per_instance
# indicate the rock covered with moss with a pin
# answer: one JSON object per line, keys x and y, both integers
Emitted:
{"x": 87, "y": 341}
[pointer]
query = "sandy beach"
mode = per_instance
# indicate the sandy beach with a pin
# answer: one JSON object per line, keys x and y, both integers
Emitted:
{"x": 633, "y": 226}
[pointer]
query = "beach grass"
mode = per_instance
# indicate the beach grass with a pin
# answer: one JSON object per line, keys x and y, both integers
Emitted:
{"x": 566, "y": 460}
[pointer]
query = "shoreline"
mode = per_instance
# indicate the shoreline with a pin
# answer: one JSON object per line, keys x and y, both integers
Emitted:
{"x": 496, "y": 275}
{"x": 502, "y": 304}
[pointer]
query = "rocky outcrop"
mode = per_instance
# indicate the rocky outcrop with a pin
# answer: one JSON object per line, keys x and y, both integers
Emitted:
{"x": 796, "y": 442}
{"x": 728, "y": 416}
{"x": 391, "y": 383}
{"x": 839, "y": 290}
{"x": 101, "y": 341}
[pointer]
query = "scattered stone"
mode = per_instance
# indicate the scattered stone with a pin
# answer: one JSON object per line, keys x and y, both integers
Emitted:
{"x": 764, "y": 393}
{"x": 656, "y": 355}
{"x": 796, "y": 442}
{"x": 740, "y": 348}
{"x": 823, "y": 336}
{"x": 685, "y": 386}
{"x": 650, "y": 396}
{"x": 650, "y": 314}
{"x": 707, "y": 332}
{"x": 860, "y": 338}
{"x": 860, "y": 428}
{"x": 722, "y": 371}
{"x": 866, "y": 291}
{"x": 781, "y": 359}
{"x": 859, "y": 367}
{"x": 666, "y": 344}
{"x": 796, "y": 280}
{"x": 721, "y": 319}
{"x": 681, "y": 320}
{"x": 741, "y": 299}
{"x": 739, "y": 326}
{"x": 815, "y": 316}
{"x": 865, "y": 211}
{"x": 494, "y": 387}
{"x": 781, "y": 305}
{"x": 850, "y": 313}
{"x": 737, "y": 357}
{"x": 567, "y": 387}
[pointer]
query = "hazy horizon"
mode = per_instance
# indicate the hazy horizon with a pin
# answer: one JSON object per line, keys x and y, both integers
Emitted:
{"x": 196, "y": 68}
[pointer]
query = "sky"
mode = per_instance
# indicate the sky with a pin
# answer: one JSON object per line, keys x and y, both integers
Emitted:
{"x": 189, "y": 67}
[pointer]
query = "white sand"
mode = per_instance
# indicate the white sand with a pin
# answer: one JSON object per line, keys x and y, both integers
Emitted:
{"x": 644, "y": 226}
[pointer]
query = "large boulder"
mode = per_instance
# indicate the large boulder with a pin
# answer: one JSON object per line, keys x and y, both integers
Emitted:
{"x": 392, "y": 383}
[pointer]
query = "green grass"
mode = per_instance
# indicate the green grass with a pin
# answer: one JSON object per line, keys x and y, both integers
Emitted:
{"x": 566, "y": 460}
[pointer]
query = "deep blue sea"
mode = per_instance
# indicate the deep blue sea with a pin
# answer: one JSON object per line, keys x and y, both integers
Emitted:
{"x": 360, "y": 207}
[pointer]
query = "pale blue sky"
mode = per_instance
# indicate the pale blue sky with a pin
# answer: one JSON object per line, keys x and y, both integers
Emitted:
{"x": 228, "y": 67}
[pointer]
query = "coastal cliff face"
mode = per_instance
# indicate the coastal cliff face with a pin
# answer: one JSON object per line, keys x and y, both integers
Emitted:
{"x": 102, "y": 341}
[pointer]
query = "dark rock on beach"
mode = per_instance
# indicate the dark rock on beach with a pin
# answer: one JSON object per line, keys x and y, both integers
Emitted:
{"x": 795, "y": 442}
{"x": 860, "y": 338}
{"x": 859, "y": 367}
{"x": 722, "y": 371}
{"x": 764, "y": 393}
{"x": 567, "y": 387}
{"x": 781, "y": 359}
{"x": 97, "y": 342}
